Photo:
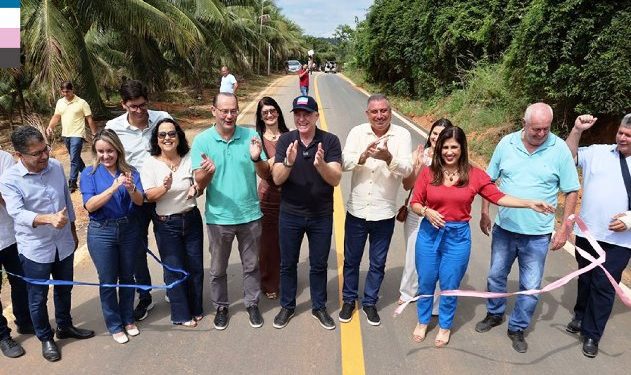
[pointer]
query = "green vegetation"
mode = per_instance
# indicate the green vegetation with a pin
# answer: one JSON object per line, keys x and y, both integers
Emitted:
{"x": 166, "y": 43}
{"x": 481, "y": 62}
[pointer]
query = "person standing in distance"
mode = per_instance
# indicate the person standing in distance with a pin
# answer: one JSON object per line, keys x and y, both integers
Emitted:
{"x": 229, "y": 84}
{"x": 303, "y": 80}
{"x": 73, "y": 112}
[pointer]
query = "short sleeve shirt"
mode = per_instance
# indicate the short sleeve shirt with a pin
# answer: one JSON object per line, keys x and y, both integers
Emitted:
{"x": 231, "y": 196}
{"x": 174, "y": 201}
{"x": 73, "y": 114}
{"x": 540, "y": 175}
{"x": 120, "y": 205}
{"x": 227, "y": 83}
{"x": 305, "y": 193}
{"x": 604, "y": 193}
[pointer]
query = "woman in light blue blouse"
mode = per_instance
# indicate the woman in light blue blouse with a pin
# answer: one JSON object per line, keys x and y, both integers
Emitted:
{"x": 111, "y": 190}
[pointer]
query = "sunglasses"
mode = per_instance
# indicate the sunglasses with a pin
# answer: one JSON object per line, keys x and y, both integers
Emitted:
{"x": 269, "y": 112}
{"x": 171, "y": 134}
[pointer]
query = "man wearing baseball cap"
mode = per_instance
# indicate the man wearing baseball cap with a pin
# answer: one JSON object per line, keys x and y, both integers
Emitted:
{"x": 308, "y": 164}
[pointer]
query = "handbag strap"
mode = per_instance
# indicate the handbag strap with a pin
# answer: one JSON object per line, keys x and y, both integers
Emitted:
{"x": 626, "y": 177}
{"x": 407, "y": 200}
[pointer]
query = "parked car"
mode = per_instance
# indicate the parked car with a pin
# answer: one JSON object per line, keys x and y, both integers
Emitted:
{"x": 293, "y": 66}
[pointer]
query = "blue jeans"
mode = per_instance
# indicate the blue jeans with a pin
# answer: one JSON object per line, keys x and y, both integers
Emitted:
{"x": 38, "y": 294}
{"x": 74, "y": 146}
{"x": 530, "y": 252}
{"x": 180, "y": 241}
{"x": 441, "y": 255}
{"x": 142, "y": 216}
{"x": 304, "y": 90}
{"x": 10, "y": 260}
{"x": 291, "y": 230}
{"x": 356, "y": 232}
{"x": 595, "y": 297}
{"x": 112, "y": 245}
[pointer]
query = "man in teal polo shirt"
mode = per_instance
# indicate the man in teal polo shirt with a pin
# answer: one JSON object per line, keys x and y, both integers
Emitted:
{"x": 226, "y": 159}
{"x": 531, "y": 163}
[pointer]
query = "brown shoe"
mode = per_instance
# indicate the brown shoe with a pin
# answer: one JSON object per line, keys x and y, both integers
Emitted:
{"x": 442, "y": 338}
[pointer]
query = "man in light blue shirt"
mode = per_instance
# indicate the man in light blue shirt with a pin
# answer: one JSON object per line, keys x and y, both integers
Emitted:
{"x": 10, "y": 261}
{"x": 531, "y": 163}
{"x": 229, "y": 84}
{"x": 38, "y": 199}
{"x": 134, "y": 129}
{"x": 226, "y": 159}
{"x": 604, "y": 207}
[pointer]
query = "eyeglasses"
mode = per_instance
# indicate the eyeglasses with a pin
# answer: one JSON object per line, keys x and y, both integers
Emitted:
{"x": 269, "y": 112}
{"x": 171, "y": 134}
{"x": 226, "y": 112}
{"x": 39, "y": 153}
{"x": 135, "y": 107}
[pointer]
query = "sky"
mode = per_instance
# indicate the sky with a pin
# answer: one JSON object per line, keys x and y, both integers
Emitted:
{"x": 321, "y": 17}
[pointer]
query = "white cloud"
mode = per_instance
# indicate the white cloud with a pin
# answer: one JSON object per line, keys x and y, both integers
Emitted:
{"x": 321, "y": 17}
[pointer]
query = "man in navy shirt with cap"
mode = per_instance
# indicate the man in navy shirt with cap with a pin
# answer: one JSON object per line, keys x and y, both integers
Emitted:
{"x": 308, "y": 165}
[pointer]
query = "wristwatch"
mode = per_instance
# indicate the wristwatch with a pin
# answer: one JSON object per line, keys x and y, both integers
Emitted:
{"x": 286, "y": 163}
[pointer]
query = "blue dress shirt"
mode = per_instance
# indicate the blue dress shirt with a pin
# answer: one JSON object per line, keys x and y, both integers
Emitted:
{"x": 120, "y": 205}
{"x": 30, "y": 194}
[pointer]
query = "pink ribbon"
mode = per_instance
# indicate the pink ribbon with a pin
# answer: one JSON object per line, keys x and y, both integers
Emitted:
{"x": 554, "y": 285}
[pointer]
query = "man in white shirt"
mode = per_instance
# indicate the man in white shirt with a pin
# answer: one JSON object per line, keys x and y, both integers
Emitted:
{"x": 605, "y": 210}
{"x": 134, "y": 129}
{"x": 379, "y": 155}
{"x": 228, "y": 82}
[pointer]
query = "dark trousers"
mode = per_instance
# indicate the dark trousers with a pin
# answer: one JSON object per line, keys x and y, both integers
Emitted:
{"x": 10, "y": 260}
{"x": 38, "y": 294}
{"x": 292, "y": 229}
{"x": 595, "y": 297}
{"x": 356, "y": 232}
{"x": 74, "y": 145}
{"x": 181, "y": 242}
{"x": 113, "y": 245}
{"x": 143, "y": 216}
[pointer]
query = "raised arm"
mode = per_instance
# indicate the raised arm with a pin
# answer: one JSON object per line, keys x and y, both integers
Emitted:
{"x": 581, "y": 124}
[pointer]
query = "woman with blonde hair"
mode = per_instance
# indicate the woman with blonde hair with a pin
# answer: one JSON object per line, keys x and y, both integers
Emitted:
{"x": 111, "y": 191}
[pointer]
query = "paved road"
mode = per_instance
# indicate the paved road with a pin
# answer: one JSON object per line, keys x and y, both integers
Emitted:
{"x": 303, "y": 347}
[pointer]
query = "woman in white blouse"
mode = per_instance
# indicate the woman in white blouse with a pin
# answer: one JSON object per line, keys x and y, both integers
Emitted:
{"x": 168, "y": 180}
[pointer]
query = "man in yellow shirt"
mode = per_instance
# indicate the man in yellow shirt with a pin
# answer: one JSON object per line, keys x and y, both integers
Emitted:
{"x": 72, "y": 111}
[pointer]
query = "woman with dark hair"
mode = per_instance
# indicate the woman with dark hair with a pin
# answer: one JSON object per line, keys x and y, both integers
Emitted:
{"x": 168, "y": 180}
{"x": 443, "y": 194}
{"x": 270, "y": 124}
{"x": 421, "y": 158}
{"x": 112, "y": 191}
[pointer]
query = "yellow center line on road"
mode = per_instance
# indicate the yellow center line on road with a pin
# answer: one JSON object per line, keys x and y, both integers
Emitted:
{"x": 351, "y": 335}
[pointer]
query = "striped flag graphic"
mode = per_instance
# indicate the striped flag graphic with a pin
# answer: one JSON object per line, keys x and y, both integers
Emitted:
{"x": 9, "y": 33}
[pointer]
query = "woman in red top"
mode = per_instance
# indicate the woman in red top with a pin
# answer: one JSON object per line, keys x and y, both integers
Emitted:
{"x": 443, "y": 194}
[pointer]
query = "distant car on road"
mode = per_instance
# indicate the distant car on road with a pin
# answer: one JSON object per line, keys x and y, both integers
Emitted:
{"x": 330, "y": 67}
{"x": 293, "y": 66}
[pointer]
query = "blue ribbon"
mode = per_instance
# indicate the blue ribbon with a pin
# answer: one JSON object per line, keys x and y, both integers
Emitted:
{"x": 185, "y": 275}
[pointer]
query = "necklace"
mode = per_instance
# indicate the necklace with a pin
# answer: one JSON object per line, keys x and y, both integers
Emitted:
{"x": 451, "y": 175}
{"x": 173, "y": 166}
{"x": 272, "y": 136}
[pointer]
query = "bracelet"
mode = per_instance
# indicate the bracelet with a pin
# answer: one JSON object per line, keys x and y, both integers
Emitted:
{"x": 423, "y": 210}
{"x": 196, "y": 191}
{"x": 257, "y": 159}
{"x": 286, "y": 164}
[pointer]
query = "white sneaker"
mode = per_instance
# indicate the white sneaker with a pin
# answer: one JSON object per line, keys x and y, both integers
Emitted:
{"x": 120, "y": 337}
{"x": 132, "y": 330}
